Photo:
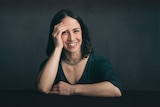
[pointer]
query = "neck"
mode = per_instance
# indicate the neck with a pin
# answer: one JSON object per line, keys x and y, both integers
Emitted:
{"x": 72, "y": 58}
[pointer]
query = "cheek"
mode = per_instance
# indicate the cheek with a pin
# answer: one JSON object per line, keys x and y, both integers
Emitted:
{"x": 80, "y": 37}
{"x": 64, "y": 38}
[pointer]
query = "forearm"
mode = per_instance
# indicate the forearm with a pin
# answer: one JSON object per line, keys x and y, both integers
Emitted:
{"x": 97, "y": 89}
{"x": 48, "y": 73}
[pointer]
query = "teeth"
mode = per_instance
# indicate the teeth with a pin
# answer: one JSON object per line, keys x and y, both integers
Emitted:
{"x": 72, "y": 44}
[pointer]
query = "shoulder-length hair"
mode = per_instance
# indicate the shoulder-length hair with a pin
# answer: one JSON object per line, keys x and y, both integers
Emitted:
{"x": 86, "y": 47}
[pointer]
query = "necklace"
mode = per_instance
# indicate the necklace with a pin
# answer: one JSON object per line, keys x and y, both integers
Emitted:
{"x": 72, "y": 63}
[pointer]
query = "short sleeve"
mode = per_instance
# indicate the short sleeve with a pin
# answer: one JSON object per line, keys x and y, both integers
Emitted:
{"x": 104, "y": 72}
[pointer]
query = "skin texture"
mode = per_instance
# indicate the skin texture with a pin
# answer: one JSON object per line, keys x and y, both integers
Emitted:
{"x": 67, "y": 35}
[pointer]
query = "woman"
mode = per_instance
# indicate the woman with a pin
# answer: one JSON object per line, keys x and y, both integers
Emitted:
{"x": 72, "y": 68}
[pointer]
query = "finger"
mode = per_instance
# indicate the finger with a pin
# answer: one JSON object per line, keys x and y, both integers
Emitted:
{"x": 59, "y": 31}
{"x": 55, "y": 86}
{"x": 54, "y": 92}
{"x": 56, "y": 27}
{"x": 59, "y": 24}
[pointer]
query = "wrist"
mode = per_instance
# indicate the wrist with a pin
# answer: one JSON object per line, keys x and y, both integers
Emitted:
{"x": 57, "y": 52}
{"x": 75, "y": 89}
{"x": 59, "y": 47}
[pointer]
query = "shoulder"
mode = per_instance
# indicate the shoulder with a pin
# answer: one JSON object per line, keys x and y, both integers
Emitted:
{"x": 98, "y": 59}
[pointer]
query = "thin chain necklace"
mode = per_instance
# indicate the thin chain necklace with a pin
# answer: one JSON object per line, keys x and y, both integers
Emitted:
{"x": 72, "y": 63}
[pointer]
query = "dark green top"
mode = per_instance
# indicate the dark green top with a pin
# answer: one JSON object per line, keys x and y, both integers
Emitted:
{"x": 97, "y": 69}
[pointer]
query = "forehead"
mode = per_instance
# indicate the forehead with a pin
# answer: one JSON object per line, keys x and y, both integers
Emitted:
{"x": 71, "y": 22}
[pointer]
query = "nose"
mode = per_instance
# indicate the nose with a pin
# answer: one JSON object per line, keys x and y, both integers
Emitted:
{"x": 71, "y": 36}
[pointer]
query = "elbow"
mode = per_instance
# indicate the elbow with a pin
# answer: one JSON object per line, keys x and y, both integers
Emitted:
{"x": 117, "y": 93}
{"x": 114, "y": 94}
{"x": 114, "y": 91}
{"x": 43, "y": 90}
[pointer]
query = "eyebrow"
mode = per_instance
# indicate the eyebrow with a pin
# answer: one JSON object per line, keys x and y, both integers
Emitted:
{"x": 76, "y": 28}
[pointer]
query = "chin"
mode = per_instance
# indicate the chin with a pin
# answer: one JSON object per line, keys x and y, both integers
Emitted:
{"x": 72, "y": 50}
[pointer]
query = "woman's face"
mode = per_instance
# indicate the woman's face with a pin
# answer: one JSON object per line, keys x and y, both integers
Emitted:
{"x": 72, "y": 37}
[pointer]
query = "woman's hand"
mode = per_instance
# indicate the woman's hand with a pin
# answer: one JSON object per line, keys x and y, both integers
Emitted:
{"x": 57, "y": 33}
{"x": 62, "y": 88}
{"x": 105, "y": 89}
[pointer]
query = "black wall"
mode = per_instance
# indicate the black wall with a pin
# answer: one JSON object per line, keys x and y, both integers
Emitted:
{"x": 126, "y": 32}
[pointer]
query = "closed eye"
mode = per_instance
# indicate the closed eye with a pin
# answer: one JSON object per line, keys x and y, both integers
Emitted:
{"x": 76, "y": 30}
{"x": 65, "y": 33}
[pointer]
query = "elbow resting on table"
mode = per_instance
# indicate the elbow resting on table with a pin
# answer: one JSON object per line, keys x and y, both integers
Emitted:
{"x": 43, "y": 90}
{"x": 115, "y": 93}
{"x": 118, "y": 94}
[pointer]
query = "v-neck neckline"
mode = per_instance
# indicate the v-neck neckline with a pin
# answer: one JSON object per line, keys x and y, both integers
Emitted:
{"x": 83, "y": 74}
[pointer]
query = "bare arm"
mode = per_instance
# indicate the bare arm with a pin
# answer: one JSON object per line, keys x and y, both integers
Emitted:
{"x": 48, "y": 74}
{"x": 105, "y": 89}
{"x": 97, "y": 89}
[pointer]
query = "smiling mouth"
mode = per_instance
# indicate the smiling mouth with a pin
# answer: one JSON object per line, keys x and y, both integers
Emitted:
{"x": 72, "y": 44}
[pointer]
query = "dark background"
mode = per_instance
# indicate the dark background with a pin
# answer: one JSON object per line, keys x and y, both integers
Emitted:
{"x": 126, "y": 32}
